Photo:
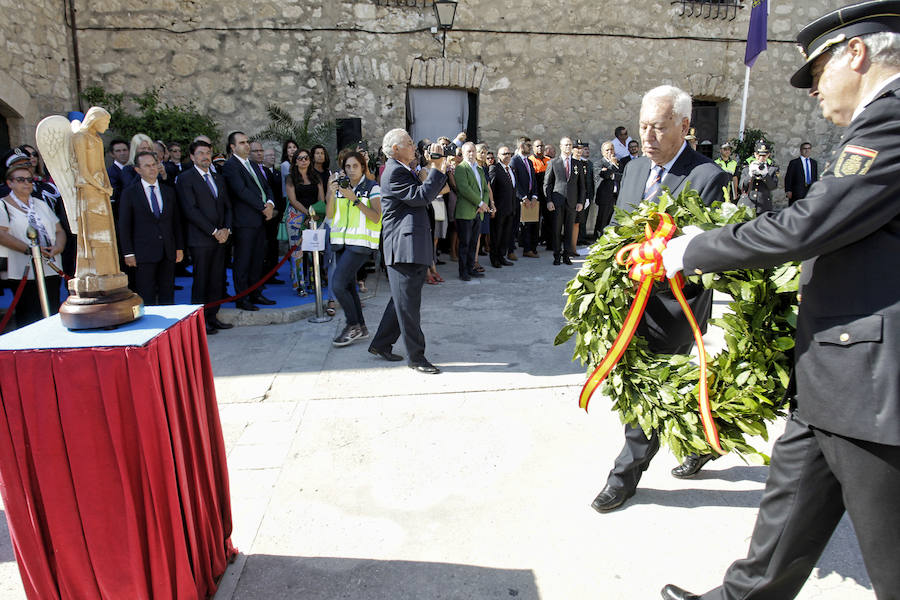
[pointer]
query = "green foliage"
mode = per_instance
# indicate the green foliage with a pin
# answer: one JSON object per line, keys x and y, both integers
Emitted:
{"x": 747, "y": 380}
{"x": 282, "y": 126}
{"x": 744, "y": 149}
{"x": 170, "y": 123}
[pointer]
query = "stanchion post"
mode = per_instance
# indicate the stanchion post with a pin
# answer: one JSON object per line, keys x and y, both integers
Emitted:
{"x": 320, "y": 317}
{"x": 32, "y": 234}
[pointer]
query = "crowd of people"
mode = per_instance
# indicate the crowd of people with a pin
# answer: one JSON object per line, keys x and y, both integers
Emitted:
{"x": 176, "y": 206}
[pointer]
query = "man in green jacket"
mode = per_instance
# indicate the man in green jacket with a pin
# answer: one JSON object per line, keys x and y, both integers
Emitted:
{"x": 472, "y": 201}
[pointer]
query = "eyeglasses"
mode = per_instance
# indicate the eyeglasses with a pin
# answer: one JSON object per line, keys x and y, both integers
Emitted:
{"x": 21, "y": 179}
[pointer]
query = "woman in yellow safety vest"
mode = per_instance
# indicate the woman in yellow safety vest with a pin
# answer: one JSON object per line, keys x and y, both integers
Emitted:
{"x": 354, "y": 207}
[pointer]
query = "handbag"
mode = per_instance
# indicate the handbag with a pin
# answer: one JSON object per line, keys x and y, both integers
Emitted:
{"x": 440, "y": 209}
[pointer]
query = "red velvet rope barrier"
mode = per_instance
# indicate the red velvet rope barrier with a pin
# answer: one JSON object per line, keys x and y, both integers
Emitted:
{"x": 15, "y": 300}
{"x": 253, "y": 287}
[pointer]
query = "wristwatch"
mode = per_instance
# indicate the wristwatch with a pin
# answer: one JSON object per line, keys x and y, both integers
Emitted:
{"x": 356, "y": 201}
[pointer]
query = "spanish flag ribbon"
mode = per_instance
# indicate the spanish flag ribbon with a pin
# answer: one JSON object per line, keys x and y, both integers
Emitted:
{"x": 645, "y": 265}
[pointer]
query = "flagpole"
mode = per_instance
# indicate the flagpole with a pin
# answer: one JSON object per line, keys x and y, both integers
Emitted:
{"x": 744, "y": 105}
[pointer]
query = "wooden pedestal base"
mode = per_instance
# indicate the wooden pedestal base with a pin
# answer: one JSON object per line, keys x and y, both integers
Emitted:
{"x": 107, "y": 310}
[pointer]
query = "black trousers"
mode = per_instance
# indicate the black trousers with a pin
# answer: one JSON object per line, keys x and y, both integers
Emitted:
{"x": 501, "y": 235}
{"x": 639, "y": 449}
{"x": 249, "y": 252}
{"x": 814, "y": 476}
{"x": 209, "y": 277}
{"x": 563, "y": 224}
{"x": 467, "y": 231}
{"x": 515, "y": 217}
{"x": 402, "y": 314}
{"x": 271, "y": 253}
{"x": 28, "y": 309}
{"x": 154, "y": 282}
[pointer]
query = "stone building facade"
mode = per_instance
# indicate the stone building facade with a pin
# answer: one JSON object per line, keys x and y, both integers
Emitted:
{"x": 541, "y": 68}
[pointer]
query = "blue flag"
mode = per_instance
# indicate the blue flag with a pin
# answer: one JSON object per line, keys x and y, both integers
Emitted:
{"x": 756, "y": 34}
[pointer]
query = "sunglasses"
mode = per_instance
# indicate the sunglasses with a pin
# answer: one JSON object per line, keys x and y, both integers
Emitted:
{"x": 303, "y": 157}
{"x": 21, "y": 179}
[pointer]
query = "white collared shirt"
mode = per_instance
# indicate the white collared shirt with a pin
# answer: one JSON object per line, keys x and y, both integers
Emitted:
{"x": 874, "y": 94}
{"x": 156, "y": 189}
{"x": 667, "y": 166}
{"x": 621, "y": 149}
{"x": 118, "y": 164}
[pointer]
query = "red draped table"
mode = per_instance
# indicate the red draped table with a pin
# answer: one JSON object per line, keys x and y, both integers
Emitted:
{"x": 112, "y": 461}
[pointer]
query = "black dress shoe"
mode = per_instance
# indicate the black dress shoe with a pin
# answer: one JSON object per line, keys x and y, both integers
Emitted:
{"x": 475, "y": 274}
{"x": 496, "y": 264}
{"x": 673, "y": 592}
{"x": 506, "y": 262}
{"x": 556, "y": 260}
{"x": 567, "y": 260}
{"x": 215, "y": 322}
{"x": 260, "y": 299}
{"x": 385, "y": 354}
{"x": 465, "y": 278}
{"x": 425, "y": 367}
{"x": 210, "y": 330}
{"x": 610, "y": 498}
{"x": 245, "y": 304}
{"x": 692, "y": 465}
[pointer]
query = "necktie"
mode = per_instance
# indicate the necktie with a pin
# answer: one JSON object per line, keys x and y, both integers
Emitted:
{"x": 509, "y": 174}
{"x": 567, "y": 168}
{"x": 256, "y": 179}
{"x": 154, "y": 204}
{"x": 807, "y": 171}
{"x": 211, "y": 185}
{"x": 652, "y": 188}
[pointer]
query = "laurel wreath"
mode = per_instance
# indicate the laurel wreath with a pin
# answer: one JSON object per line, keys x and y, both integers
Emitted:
{"x": 658, "y": 392}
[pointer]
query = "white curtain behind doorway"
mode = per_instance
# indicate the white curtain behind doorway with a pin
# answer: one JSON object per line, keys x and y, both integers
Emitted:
{"x": 434, "y": 112}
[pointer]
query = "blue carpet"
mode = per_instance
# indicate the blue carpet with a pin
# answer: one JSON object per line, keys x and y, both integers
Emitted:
{"x": 283, "y": 295}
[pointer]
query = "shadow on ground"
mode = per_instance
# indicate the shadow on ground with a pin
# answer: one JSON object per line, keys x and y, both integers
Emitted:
{"x": 326, "y": 578}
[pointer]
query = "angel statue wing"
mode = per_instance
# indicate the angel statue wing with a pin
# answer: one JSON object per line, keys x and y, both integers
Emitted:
{"x": 54, "y": 140}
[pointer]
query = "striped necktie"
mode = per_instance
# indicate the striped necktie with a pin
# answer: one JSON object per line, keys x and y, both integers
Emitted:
{"x": 652, "y": 188}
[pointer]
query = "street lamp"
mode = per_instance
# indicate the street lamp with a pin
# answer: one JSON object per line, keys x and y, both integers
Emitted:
{"x": 445, "y": 13}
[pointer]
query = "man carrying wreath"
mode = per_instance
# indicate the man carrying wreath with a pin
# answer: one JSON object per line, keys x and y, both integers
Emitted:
{"x": 840, "y": 450}
{"x": 667, "y": 161}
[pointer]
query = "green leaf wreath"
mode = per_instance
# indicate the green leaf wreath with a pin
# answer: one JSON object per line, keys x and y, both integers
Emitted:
{"x": 747, "y": 380}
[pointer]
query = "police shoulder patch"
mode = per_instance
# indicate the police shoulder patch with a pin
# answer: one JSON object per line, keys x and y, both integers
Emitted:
{"x": 854, "y": 160}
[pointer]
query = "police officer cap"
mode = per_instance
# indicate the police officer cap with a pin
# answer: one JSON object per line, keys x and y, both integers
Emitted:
{"x": 840, "y": 25}
{"x": 762, "y": 147}
{"x": 727, "y": 145}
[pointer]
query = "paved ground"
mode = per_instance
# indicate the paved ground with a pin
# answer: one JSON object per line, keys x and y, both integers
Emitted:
{"x": 357, "y": 479}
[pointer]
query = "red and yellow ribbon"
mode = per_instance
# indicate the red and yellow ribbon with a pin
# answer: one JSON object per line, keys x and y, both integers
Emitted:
{"x": 645, "y": 265}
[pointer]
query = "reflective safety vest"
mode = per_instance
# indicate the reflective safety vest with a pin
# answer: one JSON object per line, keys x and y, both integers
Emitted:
{"x": 350, "y": 226}
{"x": 729, "y": 166}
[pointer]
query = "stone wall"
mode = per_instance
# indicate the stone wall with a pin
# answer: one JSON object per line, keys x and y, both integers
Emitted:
{"x": 543, "y": 68}
{"x": 36, "y": 64}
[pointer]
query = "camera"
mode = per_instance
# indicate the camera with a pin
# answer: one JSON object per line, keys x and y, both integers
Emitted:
{"x": 759, "y": 169}
{"x": 343, "y": 180}
{"x": 449, "y": 149}
{"x": 436, "y": 155}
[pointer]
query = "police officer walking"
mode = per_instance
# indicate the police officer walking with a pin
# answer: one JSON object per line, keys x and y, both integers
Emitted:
{"x": 840, "y": 450}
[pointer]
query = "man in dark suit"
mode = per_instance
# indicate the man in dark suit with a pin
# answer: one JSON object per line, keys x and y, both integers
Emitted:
{"x": 252, "y": 206}
{"x": 273, "y": 177}
{"x": 564, "y": 188}
{"x": 668, "y": 161}
{"x": 840, "y": 450}
{"x": 150, "y": 231}
{"x": 503, "y": 184}
{"x": 527, "y": 192}
{"x": 119, "y": 150}
{"x": 408, "y": 247}
{"x": 801, "y": 173}
{"x": 203, "y": 197}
